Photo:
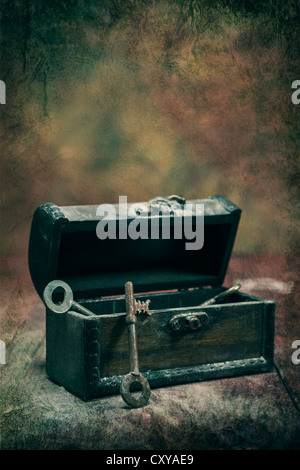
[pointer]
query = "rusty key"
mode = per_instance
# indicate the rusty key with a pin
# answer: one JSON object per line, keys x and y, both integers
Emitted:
{"x": 134, "y": 375}
{"x": 221, "y": 296}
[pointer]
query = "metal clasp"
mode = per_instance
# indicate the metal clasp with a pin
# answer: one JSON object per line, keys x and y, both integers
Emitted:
{"x": 197, "y": 320}
{"x": 189, "y": 321}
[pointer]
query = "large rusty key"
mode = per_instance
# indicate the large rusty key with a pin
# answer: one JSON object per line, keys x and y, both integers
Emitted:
{"x": 134, "y": 375}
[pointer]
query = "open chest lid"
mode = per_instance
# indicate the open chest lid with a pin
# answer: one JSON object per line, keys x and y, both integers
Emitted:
{"x": 64, "y": 244}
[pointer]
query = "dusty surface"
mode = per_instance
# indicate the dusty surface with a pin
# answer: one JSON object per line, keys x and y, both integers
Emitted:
{"x": 250, "y": 412}
{"x": 146, "y": 99}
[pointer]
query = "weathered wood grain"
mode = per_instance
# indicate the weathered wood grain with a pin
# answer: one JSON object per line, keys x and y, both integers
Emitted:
{"x": 233, "y": 335}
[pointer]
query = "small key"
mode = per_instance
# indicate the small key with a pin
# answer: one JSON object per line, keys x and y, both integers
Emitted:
{"x": 67, "y": 303}
{"x": 134, "y": 375}
{"x": 221, "y": 296}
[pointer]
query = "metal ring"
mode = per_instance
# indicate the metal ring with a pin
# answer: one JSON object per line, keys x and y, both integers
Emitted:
{"x": 128, "y": 396}
{"x": 159, "y": 200}
{"x": 66, "y": 304}
{"x": 168, "y": 200}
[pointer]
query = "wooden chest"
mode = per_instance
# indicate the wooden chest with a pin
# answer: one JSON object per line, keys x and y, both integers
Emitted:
{"x": 89, "y": 355}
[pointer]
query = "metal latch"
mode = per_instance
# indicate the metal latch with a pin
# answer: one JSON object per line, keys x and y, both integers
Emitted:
{"x": 196, "y": 320}
{"x": 189, "y": 321}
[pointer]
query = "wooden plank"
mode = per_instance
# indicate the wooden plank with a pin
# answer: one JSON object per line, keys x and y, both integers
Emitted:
{"x": 235, "y": 334}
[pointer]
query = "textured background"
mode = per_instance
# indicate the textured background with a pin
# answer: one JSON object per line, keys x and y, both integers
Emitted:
{"x": 146, "y": 98}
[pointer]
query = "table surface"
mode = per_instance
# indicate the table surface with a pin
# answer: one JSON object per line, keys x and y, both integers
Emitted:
{"x": 260, "y": 411}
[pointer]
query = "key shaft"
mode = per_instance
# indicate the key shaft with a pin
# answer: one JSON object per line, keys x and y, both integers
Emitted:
{"x": 221, "y": 296}
{"x": 131, "y": 322}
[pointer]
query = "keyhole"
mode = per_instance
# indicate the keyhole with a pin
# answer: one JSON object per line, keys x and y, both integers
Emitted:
{"x": 58, "y": 295}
